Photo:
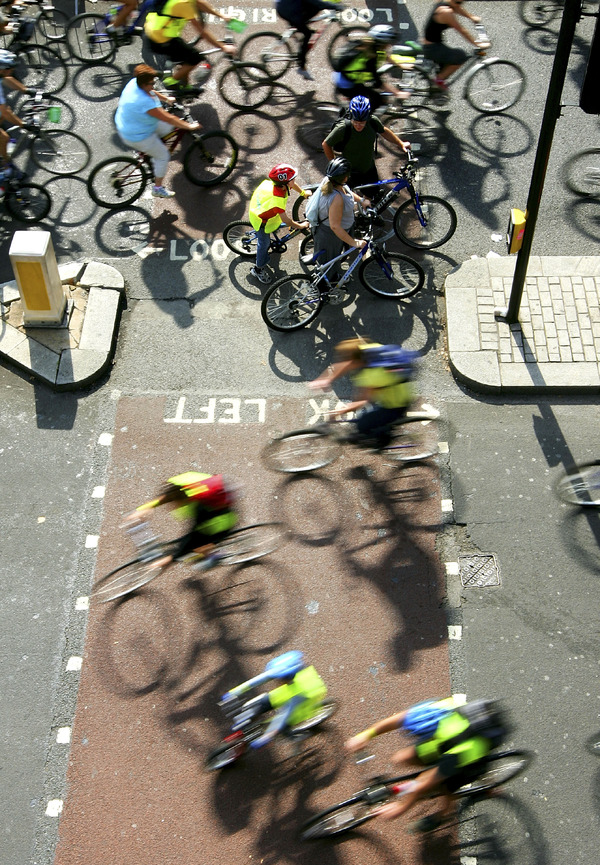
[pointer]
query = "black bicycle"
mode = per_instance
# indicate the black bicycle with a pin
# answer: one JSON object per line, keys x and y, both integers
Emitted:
{"x": 27, "y": 202}
{"x": 38, "y": 66}
{"x": 57, "y": 151}
{"x": 499, "y": 768}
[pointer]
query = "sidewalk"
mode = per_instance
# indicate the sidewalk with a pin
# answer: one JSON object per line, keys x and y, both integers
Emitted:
{"x": 555, "y": 346}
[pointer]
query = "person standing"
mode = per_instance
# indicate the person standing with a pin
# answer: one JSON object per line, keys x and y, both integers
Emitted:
{"x": 336, "y": 213}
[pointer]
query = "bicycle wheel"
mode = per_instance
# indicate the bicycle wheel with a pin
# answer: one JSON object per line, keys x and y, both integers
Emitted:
{"x": 391, "y": 275}
{"x": 413, "y": 441}
{"x": 29, "y": 203}
{"x": 580, "y": 485}
{"x": 268, "y": 49}
{"x": 123, "y": 580}
{"x": 300, "y": 203}
{"x": 438, "y": 215}
{"x": 60, "y": 152}
{"x": 325, "y": 711}
{"x": 53, "y": 24}
{"x": 88, "y": 40}
{"x": 117, "y": 181}
{"x": 316, "y": 124}
{"x": 416, "y": 83}
{"x": 538, "y": 13}
{"x": 582, "y": 173}
{"x": 211, "y": 158}
{"x": 245, "y": 86}
{"x": 420, "y": 126}
{"x": 250, "y": 543}
{"x": 339, "y": 819}
{"x": 500, "y": 768}
{"x": 225, "y": 755}
{"x": 293, "y": 302}
{"x": 41, "y": 68}
{"x": 300, "y": 451}
{"x": 240, "y": 237}
{"x": 495, "y": 86}
{"x": 343, "y": 37}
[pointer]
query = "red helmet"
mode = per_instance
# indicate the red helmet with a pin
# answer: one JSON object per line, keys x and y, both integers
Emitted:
{"x": 283, "y": 173}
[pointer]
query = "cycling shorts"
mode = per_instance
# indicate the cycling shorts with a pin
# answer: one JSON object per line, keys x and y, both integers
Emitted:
{"x": 443, "y": 55}
{"x": 176, "y": 50}
{"x": 454, "y": 775}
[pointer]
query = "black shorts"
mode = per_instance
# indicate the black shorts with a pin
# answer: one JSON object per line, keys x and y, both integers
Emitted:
{"x": 443, "y": 55}
{"x": 177, "y": 51}
{"x": 188, "y": 543}
{"x": 454, "y": 775}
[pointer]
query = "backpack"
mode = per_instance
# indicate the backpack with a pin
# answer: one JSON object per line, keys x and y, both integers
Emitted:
{"x": 486, "y": 719}
{"x": 392, "y": 358}
{"x": 342, "y": 58}
{"x": 311, "y": 210}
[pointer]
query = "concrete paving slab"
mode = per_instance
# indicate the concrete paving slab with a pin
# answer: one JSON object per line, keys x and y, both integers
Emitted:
{"x": 9, "y": 292}
{"x": 97, "y": 273}
{"x": 36, "y": 358}
{"x": 10, "y": 338}
{"x": 98, "y": 329}
{"x": 77, "y": 368}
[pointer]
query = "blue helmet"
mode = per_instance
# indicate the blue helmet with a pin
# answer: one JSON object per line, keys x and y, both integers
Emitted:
{"x": 360, "y": 108}
{"x": 286, "y": 665}
{"x": 422, "y": 719}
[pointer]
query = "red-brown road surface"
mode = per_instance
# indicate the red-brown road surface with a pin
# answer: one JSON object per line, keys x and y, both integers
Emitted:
{"x": 358, "y": 587}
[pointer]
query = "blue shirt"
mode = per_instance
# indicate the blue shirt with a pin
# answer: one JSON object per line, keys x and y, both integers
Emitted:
{"x": 132, "y": 119}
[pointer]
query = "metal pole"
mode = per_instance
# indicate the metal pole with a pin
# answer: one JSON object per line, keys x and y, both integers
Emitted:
{"x": 571, "y": 15}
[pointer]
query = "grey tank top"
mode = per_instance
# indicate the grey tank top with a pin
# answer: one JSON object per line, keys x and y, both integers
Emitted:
{"x": 348, "y": 207}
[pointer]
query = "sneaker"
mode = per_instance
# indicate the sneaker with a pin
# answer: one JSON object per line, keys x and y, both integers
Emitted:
{"x": 304, "y": 73}
{"x": 441, "y": 84}
{"x": 262, "y": 274}
{"x": 161, "y": 192}
{"x": 206, "y": 563}
{"x": 181, "y": 88}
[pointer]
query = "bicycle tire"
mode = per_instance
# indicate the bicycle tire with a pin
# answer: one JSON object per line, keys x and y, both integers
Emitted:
{"x": 440, "y": 218}
{"x": 326, "y": 710}
{"x": 268, "y": 49}
{"x": 110, "y": 180}
{"x": 240, "y": 237}
{"x": 580, "y": 485}
{"x": 419, "y": 125}
{"x": 316, "y": 123}
{"x": 300, "y": 203}
{"x": 307, "y": 245}
{"x": 250, "y": 543}
{"x": 407, "y": 277}
{"x": 291, "y": 303}
{"x": 412, "y": 444}
{"x": 502, "y": 767}
{"x": 211, "y": 158}
{"x": 339, "y": 819}
{"x": 53, "y": 24}
{"x": 582, "y": 173}
{"x": 343, "y": 37}
{"x": 43, "y": 69}
{"x": 495, "y": 86}
{"x": 87, "y": 39}
{"x": 538, "y": 13}
{"x": 300, "y": 451}
{"x": 241, "y": 86}
{"x": 29, "y": 203}
{"x": 123, "y": 580}
{"x": 60, "y": 152}
{"x": 418, "y": 86}
{"x": 225, "y": 755}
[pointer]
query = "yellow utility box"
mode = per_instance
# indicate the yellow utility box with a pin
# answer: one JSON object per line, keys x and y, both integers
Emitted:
{"x": 516, "y": 229}
{"x": 36, "y": 273}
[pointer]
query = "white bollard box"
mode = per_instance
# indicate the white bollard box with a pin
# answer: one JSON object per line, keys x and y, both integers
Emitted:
{"x": 36, "y": 273}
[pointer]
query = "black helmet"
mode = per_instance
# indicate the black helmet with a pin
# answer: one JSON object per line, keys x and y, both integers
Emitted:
{"x": 338, "y": 167}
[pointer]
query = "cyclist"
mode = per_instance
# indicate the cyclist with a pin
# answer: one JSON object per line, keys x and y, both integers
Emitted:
{"x": 296, "y": 699}
{"x": 142, "y": 123}
{"x": 383, "y": 394}
{"x": 357, "y": 66}
{"x": 7, "y": 115}
{"x": 298, "y": 13}
{"x": 355, "y": 137}
{"x": 267, "y": 211}
{"x": 163, "y": 30}
{"x": 207, "y": 503}
{"x": 443, "y": 17}
{"x": 452, "y": 743}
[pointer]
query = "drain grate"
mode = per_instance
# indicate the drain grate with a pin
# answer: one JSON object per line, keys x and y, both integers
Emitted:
{"x": 479, "y": 571}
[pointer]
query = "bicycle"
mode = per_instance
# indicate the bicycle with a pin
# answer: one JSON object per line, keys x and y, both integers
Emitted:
{"x": 277, "y": 51}
{"x": 247, "y": 727}
{"x": 50, "y": 21}
{"x": 120, "y": 180}
{"x": 241, "y": 238}
{"x": 38, "y": 67}
{"x": 240, "y": 546}
{"x": 414, "y": 440}
{"x": 56, "y": 151}
{"x": 499, "y": 768}
{"x": 89, "y": 40}
{"x": 27, "y": 202}
{"x": 421, "y": 222}
{"x": 581, "y": 173}
{"x": 580, "y": 485}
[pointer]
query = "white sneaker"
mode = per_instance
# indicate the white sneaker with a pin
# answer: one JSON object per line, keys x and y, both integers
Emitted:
{"x": 161, "y": 192}
{"x": 304, "y": 73}
{"x": 262, "y": 274}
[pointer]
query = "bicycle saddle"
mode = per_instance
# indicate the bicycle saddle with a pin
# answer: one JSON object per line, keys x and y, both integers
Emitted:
{"x": 412, "y": 49}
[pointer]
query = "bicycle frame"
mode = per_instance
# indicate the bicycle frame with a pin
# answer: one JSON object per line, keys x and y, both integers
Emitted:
{"x": 324, "y": 269}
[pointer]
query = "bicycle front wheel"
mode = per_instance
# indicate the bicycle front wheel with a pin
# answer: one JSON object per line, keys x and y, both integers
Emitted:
{"x": 123, "y": 580}
{"x": 301, "y": 451}
{"x": 41, "y": 68}
{"x": 29, "y": 203}
{"x": 582, "y": 173}
{"x": 427, "y": 225}
{"x": 240, "y": 237}
{"x": 581, "y": 485}
{"x": 60, "y": 152}
{"x": 495, "y": 86}
{"x": 245, "y": 86}
{"x": 322, "y": 714}
{"x": 293, "y": 302}
{"x": 116, "y": 182}
{"x": 211, "y": 158}
{"x": 88, "y": 40}
{"x": 268, "y": 49}
{"x": 250, "y": 543}
{"x": 339, "y": 819}
{"x": 53, "y": 24}
{"x": 391, "y": 275}
{"x": 225, "y": 755}
{"x": 413, "y": 441}
{"x": 500, "y": 768}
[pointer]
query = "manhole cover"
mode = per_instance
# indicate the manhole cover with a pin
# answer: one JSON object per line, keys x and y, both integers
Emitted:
{"x": 479, "y": 571}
